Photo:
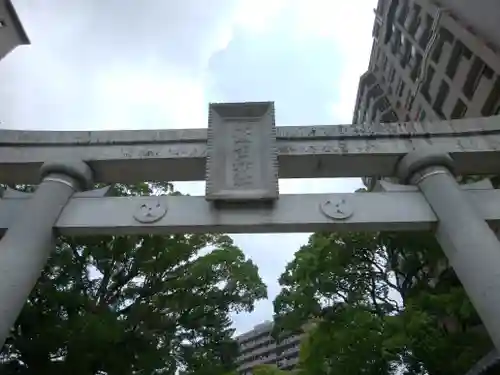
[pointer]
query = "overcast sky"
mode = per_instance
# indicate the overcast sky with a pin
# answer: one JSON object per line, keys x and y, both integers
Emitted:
{"x": 134, "y": 64}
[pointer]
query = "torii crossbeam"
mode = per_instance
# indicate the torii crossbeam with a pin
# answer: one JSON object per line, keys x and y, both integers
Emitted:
{"x": 241, "y": 156}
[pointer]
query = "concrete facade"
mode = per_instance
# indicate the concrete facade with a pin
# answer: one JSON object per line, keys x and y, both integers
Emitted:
{"x": 428, "y": 62}
{"x": 479, "y": 16}
{"x": 434, "y": 60}
{"x": 258, "y": 347}
{"x": 12, "y": 33}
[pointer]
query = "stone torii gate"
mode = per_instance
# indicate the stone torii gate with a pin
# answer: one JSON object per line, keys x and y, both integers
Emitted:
{"x": 241, "y": 156}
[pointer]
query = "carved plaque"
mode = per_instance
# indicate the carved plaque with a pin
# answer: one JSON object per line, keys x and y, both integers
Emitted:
{"x": 242, "y": 159}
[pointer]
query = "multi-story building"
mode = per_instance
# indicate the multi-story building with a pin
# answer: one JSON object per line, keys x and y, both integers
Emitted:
{"x": 429, "y": 62}
{"x": 433, "y": 60}
{"x": 258, "y": 347}
{"x": 12, "y": 33}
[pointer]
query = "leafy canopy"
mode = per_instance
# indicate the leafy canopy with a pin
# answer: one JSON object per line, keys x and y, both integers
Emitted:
{"x": 379, "y": 303}
{"x": 135, "y": 305}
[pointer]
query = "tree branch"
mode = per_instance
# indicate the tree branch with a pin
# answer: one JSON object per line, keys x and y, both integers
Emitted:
{"x": 81, "y": 262}
{"x": 373, "y": 294}
{"x": 103, "y": 286}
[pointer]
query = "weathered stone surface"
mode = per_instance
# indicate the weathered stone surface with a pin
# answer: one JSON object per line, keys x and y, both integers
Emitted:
{"x": 303, "y": 151}
{"x": 242, "y": 162}
{"x": 393, "y": 211}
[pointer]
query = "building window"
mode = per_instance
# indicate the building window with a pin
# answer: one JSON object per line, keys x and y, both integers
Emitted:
{"x": 376, "y": 30}
{"x": 441, "y": 96}
{"x": 409, "y": 94}
{"x": 423, "y": 36}
{"x": 428, "y": 79}
{"x": 477, "y": 71}
{"x": 400, "y": 81}
{"x": 391, "y": 13}
{"x": 413, "y": 20}
{"x": 420, "y": 33}
{"x": 380, "y": 8}
{"x": 415, "y": 25}
{"x": 415, "y": 64}
{"x": 400, "y": 89}
{"x": 459, "y": 52}
{"x": 459, "y": 111}
{"x": 493, "y": 101}
{"x": 438, "y": 49}
{"x": 444, "y": 37}
{"x": 396, "y": 41}
{"x": 402, "y": 12}
{"x": 405, "y": 52}
{"x": 375, "y": 53}
{"x": 413, "y": 52}
{"x": 392, "y": 73}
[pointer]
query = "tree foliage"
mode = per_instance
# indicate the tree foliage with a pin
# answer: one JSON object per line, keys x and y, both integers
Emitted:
{"x": 135, "y": 305}
{"x": 265, "y": 370}
{"x": 268, "y": 370}
{"x": 381, "y": 304}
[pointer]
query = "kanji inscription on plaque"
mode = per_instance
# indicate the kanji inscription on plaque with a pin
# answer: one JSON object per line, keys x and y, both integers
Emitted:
{"x": 242, "y": 162}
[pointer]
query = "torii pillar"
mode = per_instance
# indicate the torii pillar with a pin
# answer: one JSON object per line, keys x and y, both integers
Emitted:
{"x": 27, "y": 244}
{"x": 470, "y": 245}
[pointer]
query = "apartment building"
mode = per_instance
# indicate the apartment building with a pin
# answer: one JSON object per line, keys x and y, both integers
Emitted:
{"x": 428, "y": 62}
{"x": 12, "y": 33}
{"x": 433, "y": 60}
{"x": 258, "y": 347}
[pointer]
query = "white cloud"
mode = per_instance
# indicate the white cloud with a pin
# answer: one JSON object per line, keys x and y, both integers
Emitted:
{"x": 156, "y": 64}
{"x": 150, "y": 96}
{"x": 257, "y": 16}
{"x": 348, "y": 25}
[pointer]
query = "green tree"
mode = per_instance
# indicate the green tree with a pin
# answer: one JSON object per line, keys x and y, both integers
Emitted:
{"x": 377, "y": 308}
{"x": 134, "y": 305}
{"x": 268, "y": 370}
